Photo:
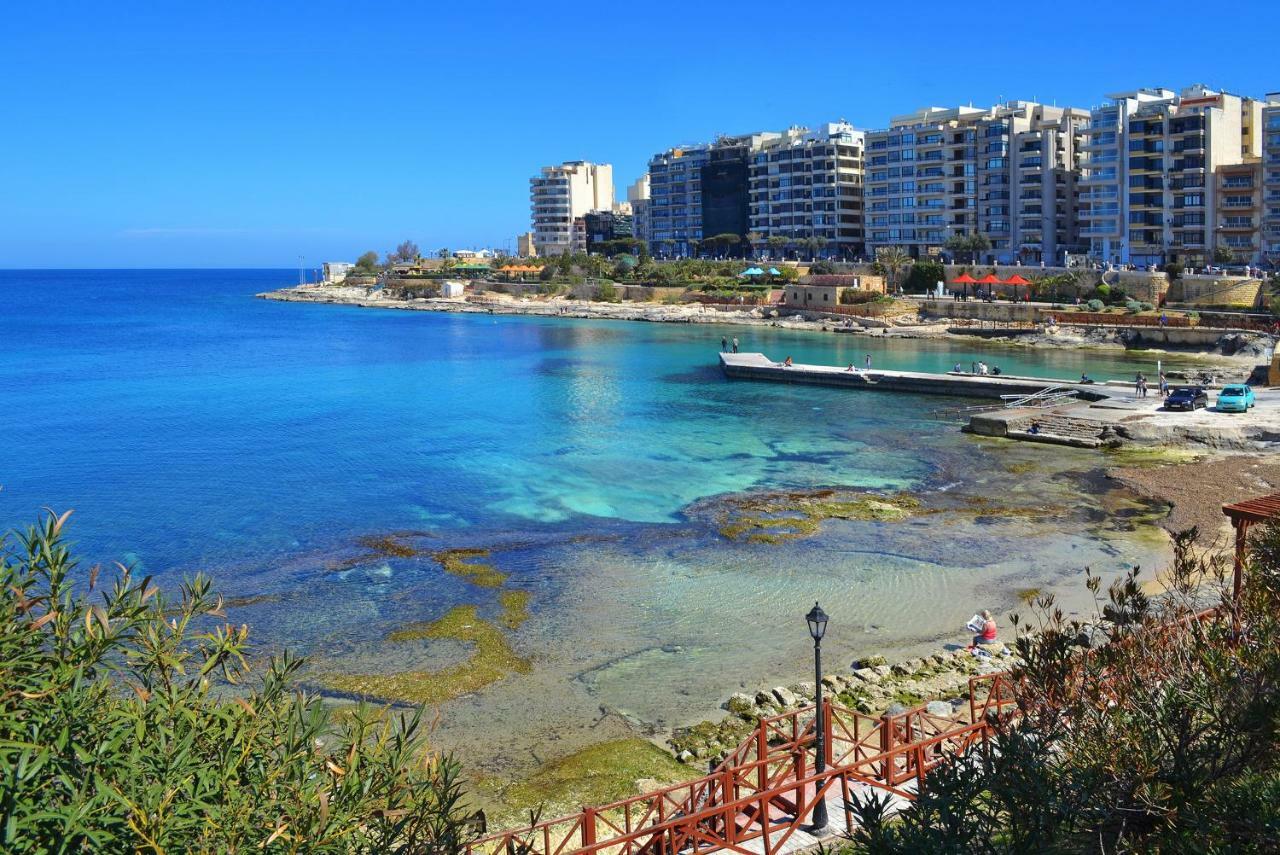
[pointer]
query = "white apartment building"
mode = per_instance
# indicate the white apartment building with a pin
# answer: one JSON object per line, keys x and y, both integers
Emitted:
{"x": 561, "y": 195}
{"x": 1007, "y": 172}
{"x": 807, "y": 185}
{"x": 638, "y": 197}
{"x": 1148, "y": 191}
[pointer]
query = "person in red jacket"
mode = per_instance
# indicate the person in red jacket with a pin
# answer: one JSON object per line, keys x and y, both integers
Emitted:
{"x": 988, "y": 633}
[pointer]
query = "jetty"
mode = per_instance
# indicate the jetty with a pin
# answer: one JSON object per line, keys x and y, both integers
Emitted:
{"x": 757, "y": 366}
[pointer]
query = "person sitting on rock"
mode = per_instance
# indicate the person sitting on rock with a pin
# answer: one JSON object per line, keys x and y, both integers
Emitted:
{"x": 988, "y": 633}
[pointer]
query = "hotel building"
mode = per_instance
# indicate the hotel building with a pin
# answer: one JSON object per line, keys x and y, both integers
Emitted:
{"x": 560, "y": 196}
{"x": 806, "y": 185}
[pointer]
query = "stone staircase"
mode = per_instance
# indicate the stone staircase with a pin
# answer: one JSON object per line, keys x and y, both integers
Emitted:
{"x": 1059, "y": 429}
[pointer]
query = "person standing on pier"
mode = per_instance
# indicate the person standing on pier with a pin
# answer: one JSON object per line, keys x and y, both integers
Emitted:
{"x": 735, "y": 344}
{"x": 867, "y": 361}
{"x": 724, "y": 344}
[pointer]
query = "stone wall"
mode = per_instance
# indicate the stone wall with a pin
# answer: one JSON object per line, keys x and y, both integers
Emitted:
{"x": 1217, "y": 291}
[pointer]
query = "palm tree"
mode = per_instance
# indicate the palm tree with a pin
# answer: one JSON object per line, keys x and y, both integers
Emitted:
{"x": 892, "y": 259}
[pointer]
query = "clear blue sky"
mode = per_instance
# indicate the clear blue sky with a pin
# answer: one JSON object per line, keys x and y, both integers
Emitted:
{"x": 225, "y": 134}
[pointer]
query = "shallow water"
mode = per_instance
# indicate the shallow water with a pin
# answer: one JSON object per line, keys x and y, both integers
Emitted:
{"x": 192, "y": 427}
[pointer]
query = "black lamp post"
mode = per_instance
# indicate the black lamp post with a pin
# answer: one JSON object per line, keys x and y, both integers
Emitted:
{"x": 817, "y": 620}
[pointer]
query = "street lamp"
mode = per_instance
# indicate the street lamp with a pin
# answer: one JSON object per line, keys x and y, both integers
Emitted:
{"x": 817, "y": 620}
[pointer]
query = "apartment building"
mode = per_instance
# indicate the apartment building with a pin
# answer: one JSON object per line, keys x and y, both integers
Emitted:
{"x": 560, "y": 196}
{"x": 697, "y": 192}
{"x": 1150, "y": 192}
{"x": 1270, "y": 166}
{"x": 1238, "y": 211}
{"x": 1007, "y": 172}
{"x": 808, "y": 185}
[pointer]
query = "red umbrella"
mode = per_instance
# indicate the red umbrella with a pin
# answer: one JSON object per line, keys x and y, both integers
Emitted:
{"x": 989, "y": 280}
{"x": 1015, "y": 280}
{"x": 966, "y": 280}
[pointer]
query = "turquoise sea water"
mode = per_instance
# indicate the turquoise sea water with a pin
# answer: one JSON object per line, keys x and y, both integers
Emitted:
{"x": 193, "y": 427}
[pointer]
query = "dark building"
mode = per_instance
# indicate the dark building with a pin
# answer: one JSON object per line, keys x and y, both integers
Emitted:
{"x": 725, "y": 192}
{"x": 605, "y": 226}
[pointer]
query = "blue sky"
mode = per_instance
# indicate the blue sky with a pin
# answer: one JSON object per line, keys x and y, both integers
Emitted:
{"x": 236, "y": 134}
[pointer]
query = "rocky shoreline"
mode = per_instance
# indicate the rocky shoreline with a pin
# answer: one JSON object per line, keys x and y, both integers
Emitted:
{"x": 939, "y": 681}
{"x": 1231, "y": 350}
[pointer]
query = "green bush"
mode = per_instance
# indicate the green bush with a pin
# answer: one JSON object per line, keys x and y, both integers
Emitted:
{"x": 131, "y": 722}
{"x": 607, "y": 293}
{"x": 1133, "y": 307}
{"x": 1103, "y": 290}
{"x": 1095, "y": 305}
{"x": 924, "y": 276}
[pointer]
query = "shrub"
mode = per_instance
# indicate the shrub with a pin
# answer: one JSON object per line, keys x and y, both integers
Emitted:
{"x": 1173, "y": 270}
{"x": 1161, "y": 738}
{"x": 1144, "y": 306}
{"x": 607, "y": 293}
{"x": 925, "y": 275}
{"x": 1133, "y": 307}
{"x": 1095, "y": 305}
{"x": 134, "y": 722}
{"x": 1103, "y": 290}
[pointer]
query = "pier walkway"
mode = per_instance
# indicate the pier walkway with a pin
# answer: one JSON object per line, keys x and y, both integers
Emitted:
{"x": 756, "y": 366}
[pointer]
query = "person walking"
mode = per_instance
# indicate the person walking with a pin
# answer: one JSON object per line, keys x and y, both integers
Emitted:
{"x": 1164, "y": 385}
{"x": 735, "y": 344}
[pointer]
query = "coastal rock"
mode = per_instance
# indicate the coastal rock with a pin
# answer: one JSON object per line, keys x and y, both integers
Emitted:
{"x": 685, "y": 756}
{"x": 939, "y": 708}
{"x": 881, "y": 670}
{"x": 895, "y": 708}
{"x": 785, "y": 696}
{"x": 764, "y": 699}
{"x": 869, "y": 662}
{"x": 867, "y": 675}
{"x": 740, "y": 704}
{"x": 805, "y": 690}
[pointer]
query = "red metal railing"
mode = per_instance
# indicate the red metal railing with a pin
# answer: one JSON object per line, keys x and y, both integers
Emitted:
{"x": 1105, "y": 320}
{"x": 765, "y": 788}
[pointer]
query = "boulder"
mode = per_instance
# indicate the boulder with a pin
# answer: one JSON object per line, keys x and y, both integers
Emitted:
{"x": 870, "y": 662}
{"x": 895, "y": 708}
{"x": 685, "y": 756}
{"x": 867, "y": 675}
{"x": 939, "y": 708}
{"x": 902, "y": 669}
{"x": 881, "y": 670}
{"x": 740, "y": 704}
{"x": 764, "y": 699}
{"x": 785, "y": 696}
{"x": 804, "y": 690}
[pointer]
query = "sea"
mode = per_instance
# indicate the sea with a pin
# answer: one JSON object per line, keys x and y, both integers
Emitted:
{"x": 194, "y": 428}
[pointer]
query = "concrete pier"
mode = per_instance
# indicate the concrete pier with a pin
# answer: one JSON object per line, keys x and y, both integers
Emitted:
{"x": 756, "y": 366}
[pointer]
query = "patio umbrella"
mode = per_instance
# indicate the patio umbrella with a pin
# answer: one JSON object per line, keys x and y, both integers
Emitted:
{"x": 773, "y": 271}
{"x": 966, "y": 280}
{"x": 752, "y": 271}
{"x": 1017, "y": 281}
{"x": 989, "y": 280}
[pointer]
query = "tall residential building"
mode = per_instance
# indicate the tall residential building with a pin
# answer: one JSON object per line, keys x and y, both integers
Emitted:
{"x": 1270, "y": 145}
{"x": 559, "y": 195}
{"x": 1149, "y": 196}
{"x": 1006, "y": 172}
{"x": 806, "y": 185}
{"x": 700, "y": 191}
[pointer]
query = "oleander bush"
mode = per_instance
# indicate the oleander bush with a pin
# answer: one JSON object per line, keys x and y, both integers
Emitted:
{"x": 135, "y": 722}
{"x": 1154, "y": 727}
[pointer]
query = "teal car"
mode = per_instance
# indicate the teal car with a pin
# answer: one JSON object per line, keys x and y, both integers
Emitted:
{"x": 1236, "y": 398}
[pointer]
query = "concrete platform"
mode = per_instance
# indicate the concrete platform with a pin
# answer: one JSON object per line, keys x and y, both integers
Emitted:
{"x": 756, "y": 366}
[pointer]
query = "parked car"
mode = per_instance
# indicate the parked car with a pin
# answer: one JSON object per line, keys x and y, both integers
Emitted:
{"x": 1187, "y": 398}
{"x": 1236, "y": 398}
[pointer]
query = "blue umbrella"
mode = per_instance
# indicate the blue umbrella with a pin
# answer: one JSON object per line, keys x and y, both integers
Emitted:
{"x": 773, "y": 271}
{"x": 752, "y": 271}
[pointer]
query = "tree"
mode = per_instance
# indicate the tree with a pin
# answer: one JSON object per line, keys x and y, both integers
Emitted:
{"x": 969, "y": 244}
{"x": 443, "y": 252}
{"x": 406, "y": 252}
{"x": 814, "y": 243}
{"x": 776, "y": 244}
{"x": 1152, "y": 728}
{"x": 695, "y": 246}
{"x": 924, "y": 276}
{"x": 1222, "y": 255}
{"x": 130, "y": 721}
{"x": 367, "y": 263}
{"x": 892, "y": 259}
{"x": 754, "y": 240}
{"x": 724, "y": 243}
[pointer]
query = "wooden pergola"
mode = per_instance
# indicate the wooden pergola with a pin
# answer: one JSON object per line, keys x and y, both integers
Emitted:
{"x": 1243, "y": 515}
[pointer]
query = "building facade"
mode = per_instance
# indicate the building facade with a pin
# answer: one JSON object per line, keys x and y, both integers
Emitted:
{"x": 1270, "y": 160}
{"x": 604, "y": 226}
{"x": 700, "y": 191}
{"x": 806, "y": 189}
{"x": 638, "y": 196}
{"x": 561, "y": 195}
{"x": 1238, "y": 212}
{"x": 1009, "y": 173}
{"x": 525, "y": 246}
{"x": 335, "y": 271}
{"x": 1150, "y": 176}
